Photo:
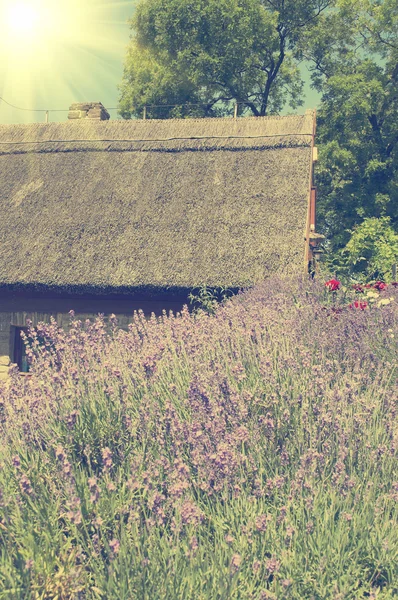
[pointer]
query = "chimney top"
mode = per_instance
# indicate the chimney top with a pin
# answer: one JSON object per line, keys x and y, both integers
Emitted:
{"x": 88, "y": 110}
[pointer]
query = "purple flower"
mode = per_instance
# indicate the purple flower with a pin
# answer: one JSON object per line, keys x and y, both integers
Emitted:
{"x": 60, "y": 453}
{"x": 94, "y": 489}
{"x": 107, "y": 458}
{"x": 261, "y": 522}
{"x": 236, "y": 562}
{"x": 256, "y": 566}
{"x": 71, "y": 419}
{"x": 67, "y": 468}
{"x": 114, "y": 545}
{"x": 229, "y": 539}
{"x": 193, "y": 546}
{"x": 113, "y": 320}
{"x": 191, "y": 514}
{"x": 25, "y": 485}
{"x": 16, "y": 461}
{"x": 273, "y": 565}
{"x": 282, "y": 515}
{"x": 193, "y": 543}
{"x": 75, "y": 517}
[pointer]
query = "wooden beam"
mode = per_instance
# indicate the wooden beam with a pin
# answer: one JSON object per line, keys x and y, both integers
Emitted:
{"x": 313, "y": 209}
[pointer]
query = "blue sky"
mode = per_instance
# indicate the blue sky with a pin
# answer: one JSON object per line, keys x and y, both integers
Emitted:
{"x": 77, "y": 57}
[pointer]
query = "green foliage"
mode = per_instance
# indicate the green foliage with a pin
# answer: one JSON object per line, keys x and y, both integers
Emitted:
{"x": 354, "y": 51}
{"x": 373, "y": 248}
{"x": 208, "y": 299}
{"x": 211, "y": 53}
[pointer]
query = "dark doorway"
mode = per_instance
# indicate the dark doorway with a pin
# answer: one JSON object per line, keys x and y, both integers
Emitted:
{"x": 19, "y": 350}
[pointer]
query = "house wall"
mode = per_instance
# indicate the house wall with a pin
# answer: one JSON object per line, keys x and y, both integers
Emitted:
{"x": 16, "y": 309}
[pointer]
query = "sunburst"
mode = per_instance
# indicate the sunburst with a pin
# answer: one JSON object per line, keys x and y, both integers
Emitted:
{"x": 22, "y": 19}
{"x": 54, "y": 52}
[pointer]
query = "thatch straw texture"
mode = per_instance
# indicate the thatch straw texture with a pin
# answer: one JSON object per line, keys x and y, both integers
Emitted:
{"x": 152, "y": 129}
{"x": 141, "y": 211}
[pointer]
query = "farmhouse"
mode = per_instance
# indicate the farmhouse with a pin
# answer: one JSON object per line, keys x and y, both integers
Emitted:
{"x": 113, "y": 216}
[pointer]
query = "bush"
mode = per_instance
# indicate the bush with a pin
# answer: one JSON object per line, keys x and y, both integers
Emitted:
{"x": 373, "y": 248}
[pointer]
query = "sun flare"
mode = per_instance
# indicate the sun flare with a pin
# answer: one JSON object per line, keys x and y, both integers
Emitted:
{"x": 22, "y": 18}
{"x": 54, "y": 52}
{"x": 26, "y": 22}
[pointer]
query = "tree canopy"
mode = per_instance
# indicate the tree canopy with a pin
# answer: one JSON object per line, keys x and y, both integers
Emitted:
{"x": 354, "y": 52}
{"x": 199, "y": 57}
{"x": 211, "y": 53}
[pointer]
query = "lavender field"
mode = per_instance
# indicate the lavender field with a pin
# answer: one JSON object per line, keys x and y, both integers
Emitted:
{"x": 247, "y": 454}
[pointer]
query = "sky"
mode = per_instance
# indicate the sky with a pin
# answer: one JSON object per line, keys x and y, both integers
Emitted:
{"x": 57, "y": 52}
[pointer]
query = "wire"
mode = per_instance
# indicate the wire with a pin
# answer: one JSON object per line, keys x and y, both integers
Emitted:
{"x": 42, "y": 109}
{"x": 26, "y": 109}
{"x": 186, "y": 104}
{"x": 171, "y": 139}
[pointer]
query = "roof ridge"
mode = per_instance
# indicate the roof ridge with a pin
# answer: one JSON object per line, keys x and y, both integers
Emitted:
{"x": 188, "y": 121}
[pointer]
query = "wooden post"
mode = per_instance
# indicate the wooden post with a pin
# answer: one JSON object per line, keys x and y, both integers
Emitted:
{"x": 47, "y": 116}
{"x": 313, "y": 209}
{"x": 144, "y": 113}
{"x": 236, "y": 111}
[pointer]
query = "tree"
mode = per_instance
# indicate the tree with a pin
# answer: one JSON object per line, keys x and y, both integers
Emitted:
{"x": 354, "y": 52}
{"x": 211, "y": 53}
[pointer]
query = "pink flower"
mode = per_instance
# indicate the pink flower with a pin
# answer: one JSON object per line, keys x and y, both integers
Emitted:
{"x": 358, "y": 305}
{"x": 333, "y": 285}
{"x": 380, "y": 285}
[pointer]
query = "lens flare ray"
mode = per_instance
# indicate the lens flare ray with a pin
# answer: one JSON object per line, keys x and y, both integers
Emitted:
{"x": 53, "y": 52}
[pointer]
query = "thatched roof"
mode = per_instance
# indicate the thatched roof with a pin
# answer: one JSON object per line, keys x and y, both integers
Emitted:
{"x": 151, "y": 205}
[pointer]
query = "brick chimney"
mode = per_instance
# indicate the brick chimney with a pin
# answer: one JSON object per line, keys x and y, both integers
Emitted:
{"x": 88, "y": 110}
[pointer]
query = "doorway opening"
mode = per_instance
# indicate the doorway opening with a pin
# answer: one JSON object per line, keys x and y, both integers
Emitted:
{"x": 18, "y": 348}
